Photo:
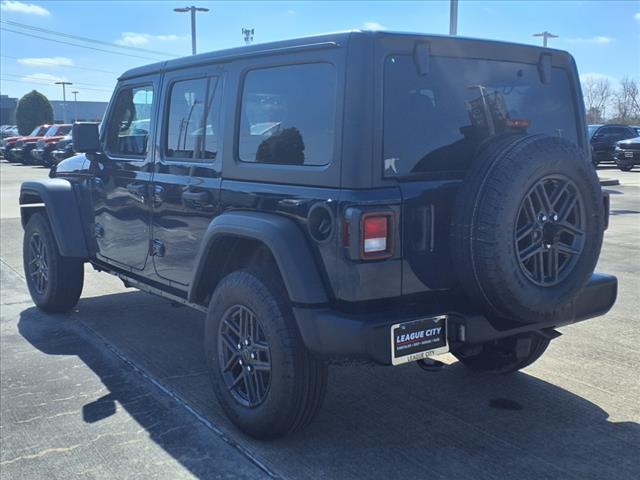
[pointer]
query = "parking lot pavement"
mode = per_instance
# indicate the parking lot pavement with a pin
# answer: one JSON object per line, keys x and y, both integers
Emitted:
{"x": 573, "y": 414}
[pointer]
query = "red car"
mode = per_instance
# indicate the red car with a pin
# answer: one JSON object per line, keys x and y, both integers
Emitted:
{"x": 22, "y": 150}
{"x": 8, "y": 144}
{"x": 44, "y": 146}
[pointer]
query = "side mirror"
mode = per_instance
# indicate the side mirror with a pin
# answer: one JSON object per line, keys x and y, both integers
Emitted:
{"x": 86, "y": 138}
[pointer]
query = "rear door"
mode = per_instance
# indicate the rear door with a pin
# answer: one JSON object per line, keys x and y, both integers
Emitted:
{"x": 186, "y": 184}
{"x": 122, "y": 175}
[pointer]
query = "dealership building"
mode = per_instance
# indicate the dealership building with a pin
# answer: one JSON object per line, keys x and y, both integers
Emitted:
{"x": 74, "y": 111}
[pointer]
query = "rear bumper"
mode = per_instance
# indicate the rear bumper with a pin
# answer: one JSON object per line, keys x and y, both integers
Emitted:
{"x": 330, "y": 334}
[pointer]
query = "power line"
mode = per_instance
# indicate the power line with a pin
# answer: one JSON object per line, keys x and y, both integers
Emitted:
{"x": 77, "y": 45}
{"x": 84, "y": 39}
{"x": 37, "y": 82}
{"x": 63, "y": 66}
{"x": 75, "y": 83}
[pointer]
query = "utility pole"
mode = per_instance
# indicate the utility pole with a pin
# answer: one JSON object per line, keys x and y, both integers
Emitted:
{"x": 75, "y": 105}
{"x": 193, "y": 11}
{"x": 248, "y": 35}
{"x": 64, "y": 99}
{"x": 545, "y": 36}
{"x": 453, "y": 17}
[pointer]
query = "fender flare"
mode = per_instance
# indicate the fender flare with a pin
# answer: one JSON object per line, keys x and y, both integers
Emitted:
{"x": 286, "y": 242}
{"x": 62, "y": 209}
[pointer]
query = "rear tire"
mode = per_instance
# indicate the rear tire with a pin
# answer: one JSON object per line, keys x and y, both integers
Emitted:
{"x": 500, "y": 356}
{"x": 627, "y": 168}
{"x": 281, "y": 388}
{"x": 55, "y": 282}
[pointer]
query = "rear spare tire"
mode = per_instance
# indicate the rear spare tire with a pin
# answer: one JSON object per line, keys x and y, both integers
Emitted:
{"x": 527, "y": 227}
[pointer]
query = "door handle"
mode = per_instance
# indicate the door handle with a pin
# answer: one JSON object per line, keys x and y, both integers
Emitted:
{"x": 196, "y": 197}
{"x": 137, "y": 190}
{"x": 158, "y": 195}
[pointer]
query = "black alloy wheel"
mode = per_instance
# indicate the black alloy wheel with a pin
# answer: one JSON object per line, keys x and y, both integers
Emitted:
{"x": 38, "y": 263}
{"x": 245, "y": 356}
{"x": 550, "y": 230}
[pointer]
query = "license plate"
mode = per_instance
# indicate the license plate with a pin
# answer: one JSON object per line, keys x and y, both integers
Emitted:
{"x": 628, "y": 154}
{"x": 418, "y": 339}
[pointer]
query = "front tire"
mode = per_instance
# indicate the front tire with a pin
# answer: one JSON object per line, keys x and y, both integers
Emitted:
{"x": 55, "y": 282}
{"x": 266, "y": 381}
{"x": 626, "y": 168}
{"x": 506, "y": 355}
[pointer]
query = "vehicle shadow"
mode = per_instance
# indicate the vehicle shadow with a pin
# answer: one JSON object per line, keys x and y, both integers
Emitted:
{"x": 376, "y": 422}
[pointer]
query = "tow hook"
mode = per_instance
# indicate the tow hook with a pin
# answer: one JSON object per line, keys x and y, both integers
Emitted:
{"x": 431, "y": 365}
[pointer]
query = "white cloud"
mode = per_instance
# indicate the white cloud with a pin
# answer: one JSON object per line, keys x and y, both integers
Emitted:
{"x": 291, "y": 12}
{"x": 373, "y": 26}
{"x": 21, "y": 7}
{"x": 637, "y": 16}
{"x": 132, "y": 39}
{"x": 598, "y": 40}
{"x": 46, "y": 62}
{"x": 43, "y": 78}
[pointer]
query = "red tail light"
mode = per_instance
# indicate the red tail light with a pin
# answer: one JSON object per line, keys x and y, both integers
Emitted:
{"x": 376, "y": 235}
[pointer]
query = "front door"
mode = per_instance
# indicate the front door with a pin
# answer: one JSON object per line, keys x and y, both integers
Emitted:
{"x": 122, "y": 176}
{"x": 186, "y": 182}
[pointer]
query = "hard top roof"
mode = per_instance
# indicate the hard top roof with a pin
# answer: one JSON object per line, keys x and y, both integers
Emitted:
{"x": 336, "y": 39}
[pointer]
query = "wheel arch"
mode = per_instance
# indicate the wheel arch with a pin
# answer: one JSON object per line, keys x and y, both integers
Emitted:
{"x": 57, "y": 199}
{"x": 241, "y": 239}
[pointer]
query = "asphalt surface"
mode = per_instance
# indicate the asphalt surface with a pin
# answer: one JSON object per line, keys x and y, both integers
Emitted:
{"x": 118, "y": 389}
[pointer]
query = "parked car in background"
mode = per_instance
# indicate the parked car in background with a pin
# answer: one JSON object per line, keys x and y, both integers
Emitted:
{"x": 62, "y": 150}
{"x": 23, "y": 151}
{"x": 9, "y": 131}
{"x": 9, "y": 143}
{"x": 43, "y": 148}
{"x": 604, "y": 138}
{"x": 627, "y": 154}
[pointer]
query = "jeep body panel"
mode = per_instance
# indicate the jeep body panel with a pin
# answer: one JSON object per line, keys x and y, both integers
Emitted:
{"x": 62, "y": 206}
{"x": 284, "y": 240}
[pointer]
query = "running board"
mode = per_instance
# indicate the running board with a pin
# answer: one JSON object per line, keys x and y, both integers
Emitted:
{"x": 133, "y": 282}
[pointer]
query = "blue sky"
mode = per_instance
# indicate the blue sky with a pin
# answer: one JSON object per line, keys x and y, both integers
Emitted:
{"x": 604, "y": 36}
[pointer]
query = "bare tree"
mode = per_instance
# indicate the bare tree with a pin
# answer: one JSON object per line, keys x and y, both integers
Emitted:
{"x": 597, "y": 96}
{"x": 627, "y": 101}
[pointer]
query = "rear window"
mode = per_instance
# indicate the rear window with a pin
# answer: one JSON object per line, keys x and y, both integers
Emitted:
{"x": 435, "y": 122}
{"x": 288, "y": 115}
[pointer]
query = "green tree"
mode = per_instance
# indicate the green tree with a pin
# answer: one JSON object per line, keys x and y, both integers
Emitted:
{"x": 33, "y": 109}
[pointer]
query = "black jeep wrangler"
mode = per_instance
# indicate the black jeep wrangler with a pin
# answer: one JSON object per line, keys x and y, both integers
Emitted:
{"x": 350, "y": 197}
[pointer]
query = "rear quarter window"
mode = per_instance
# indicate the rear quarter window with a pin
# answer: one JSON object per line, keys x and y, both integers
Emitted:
{"x": 435, "y": 122}
{"x": 288, "y": 115}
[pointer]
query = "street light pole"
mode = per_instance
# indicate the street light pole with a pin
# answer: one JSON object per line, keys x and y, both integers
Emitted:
{"x": 545, "y": 36}
{"x": 64, "y": 99}
{"x": 193, "y": 11}
{"x": 453, "y": 17}
{"x": 75, "y": 105}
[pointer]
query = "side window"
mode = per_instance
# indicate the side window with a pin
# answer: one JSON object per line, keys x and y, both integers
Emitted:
{"x": 130, "y": 121}
{"x": 192, "y": 127}
{"x": 288, "y": 115}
